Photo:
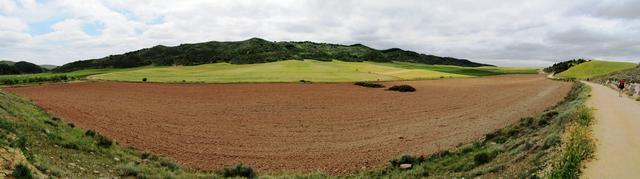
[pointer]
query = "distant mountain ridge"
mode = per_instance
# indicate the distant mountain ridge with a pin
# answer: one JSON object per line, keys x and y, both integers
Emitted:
{"x": 258, "y": 50}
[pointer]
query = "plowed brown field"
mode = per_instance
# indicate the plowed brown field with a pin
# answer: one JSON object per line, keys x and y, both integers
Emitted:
{"x": 334, "y": 128}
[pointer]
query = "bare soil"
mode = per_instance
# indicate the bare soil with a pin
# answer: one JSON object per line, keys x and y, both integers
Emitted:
{"x": 283, "y": 127}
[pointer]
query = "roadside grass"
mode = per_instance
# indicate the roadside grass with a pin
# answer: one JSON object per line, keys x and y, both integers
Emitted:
{"x": 580, "y": 147}
{"x": 595, "y": 68}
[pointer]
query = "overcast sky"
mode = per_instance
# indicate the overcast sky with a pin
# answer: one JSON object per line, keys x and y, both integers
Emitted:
{"x": 500, "y": 32}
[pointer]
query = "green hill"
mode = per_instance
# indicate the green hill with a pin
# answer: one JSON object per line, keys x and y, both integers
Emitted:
{"x": 257, "y": 50}
{"x": 21, "y": 67}
{"x": 7, "y": 62}
{"x": 308, "y": 70}
{"x": 595, "y": 68}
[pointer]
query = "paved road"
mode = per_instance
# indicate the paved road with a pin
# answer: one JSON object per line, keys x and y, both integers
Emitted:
{"x": 617, "y": 134}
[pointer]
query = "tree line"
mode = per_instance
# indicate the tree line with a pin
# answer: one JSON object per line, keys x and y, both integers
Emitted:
{"x": 564, "y": 66}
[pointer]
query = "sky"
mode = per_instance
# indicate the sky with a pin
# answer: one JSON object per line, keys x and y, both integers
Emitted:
{"x": 499, "y": 32}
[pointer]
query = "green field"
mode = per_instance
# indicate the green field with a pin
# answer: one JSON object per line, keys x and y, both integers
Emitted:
{"x": 309, "y": 70}
{"x": 470, "y": 71}
{"x": 80, "y": 74}
{"x": 595, "y": 68}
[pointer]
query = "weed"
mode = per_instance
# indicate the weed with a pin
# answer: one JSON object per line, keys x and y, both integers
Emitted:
{"x": 144, "y": 79}
{"x": 71, "y": 125}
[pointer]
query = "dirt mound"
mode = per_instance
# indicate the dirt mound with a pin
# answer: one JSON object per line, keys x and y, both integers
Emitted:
{"x": 334, "y": 128}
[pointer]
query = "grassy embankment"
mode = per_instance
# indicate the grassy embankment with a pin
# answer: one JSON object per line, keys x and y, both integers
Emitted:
{"x": 595, "y": 68}
{"x": 47, "y": 146}
{"x": 629, "y": 75}
{"x": 309, "y": 70}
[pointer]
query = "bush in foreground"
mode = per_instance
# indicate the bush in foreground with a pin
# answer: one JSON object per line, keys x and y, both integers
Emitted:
{"x": 402, "y": 88}
{"x": 22, "y": 172}
{"x": 407, "y": 159}
{"x": 239, "y": 170}
{"x": 369, "y": 85}
{"x": 103, "y": 141}
{"x": 482, "y": 158}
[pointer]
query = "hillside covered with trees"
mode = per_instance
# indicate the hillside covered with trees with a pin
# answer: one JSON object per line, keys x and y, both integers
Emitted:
{"x": 564, "y": 66}
{"x": 257, "y": 50}
{"x": 22, "y": 67}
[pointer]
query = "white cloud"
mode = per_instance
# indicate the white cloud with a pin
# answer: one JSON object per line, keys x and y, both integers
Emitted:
{"x": 502, "y": 32}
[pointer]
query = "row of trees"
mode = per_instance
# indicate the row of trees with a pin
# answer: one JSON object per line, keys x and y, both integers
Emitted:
{"x": 563, "y": 66}
{"x": 14, "y": 81}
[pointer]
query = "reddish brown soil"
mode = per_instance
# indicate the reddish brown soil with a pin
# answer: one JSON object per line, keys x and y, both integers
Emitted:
{"x": 333, "y": 128}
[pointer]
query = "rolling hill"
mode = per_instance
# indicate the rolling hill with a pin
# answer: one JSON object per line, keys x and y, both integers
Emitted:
{"x": 595, "y": 68}
{"x": 21, "y": 67}
{"x": 257, "y": 50}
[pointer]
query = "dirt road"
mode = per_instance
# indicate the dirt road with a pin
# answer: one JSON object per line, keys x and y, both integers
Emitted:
{"x": 333, "y": 128}
{"x": 617, "y": 133}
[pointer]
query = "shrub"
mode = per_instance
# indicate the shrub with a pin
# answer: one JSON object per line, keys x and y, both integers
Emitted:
{"x": 402, "y": 88}
{"x": 128, "y": 170}
{"x": 71, "y": 125}
{"x": 482, "y": 158}
{"x": 169, "y": 164}
{"x": 145, "y": 155}
{"x": 406, "y": 159}
{"x": 551, "y": 141}
{"x": 369, "y": 85}
{"x": 546, "y": 118}
{"x": 491, "y": 135}
{"x": 50, "y": 123}
{"x": 103, "y": 141}
{"x": 22, "y": 172}
{"x": 527, "y": 121}
{"x": 90, "y": 133}
{"x": 55, "y": 119}
{"x": 239, "y": 170}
